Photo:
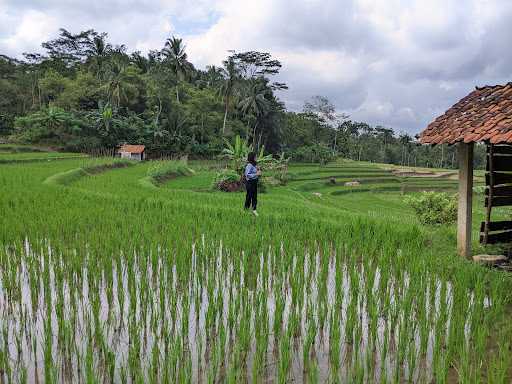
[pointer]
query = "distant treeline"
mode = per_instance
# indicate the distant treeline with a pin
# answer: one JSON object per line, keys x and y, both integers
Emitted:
{"x": 85, "y": 92}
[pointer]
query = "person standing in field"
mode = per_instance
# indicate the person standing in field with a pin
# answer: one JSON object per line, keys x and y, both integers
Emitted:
{"x": 252, "y": 173}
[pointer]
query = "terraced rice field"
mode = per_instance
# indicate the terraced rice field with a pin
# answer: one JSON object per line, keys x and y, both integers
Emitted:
{"x": 104, "y": 278}
{"x": 332, "y": 180}
{"x": 9, "y": 155}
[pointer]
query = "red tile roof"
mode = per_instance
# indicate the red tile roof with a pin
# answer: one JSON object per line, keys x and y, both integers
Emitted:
{"x": 132, "y": 148}
{"x": 484, "y": 114}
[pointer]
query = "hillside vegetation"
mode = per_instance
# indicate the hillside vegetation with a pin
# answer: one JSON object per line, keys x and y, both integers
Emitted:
{"x": 84, "y": 93}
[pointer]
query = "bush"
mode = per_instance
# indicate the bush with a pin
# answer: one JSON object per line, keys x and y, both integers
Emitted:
{"x": 228, "y": 180}
{"x": 50, "y": 124}
{"x": 479, "y": 189}
{"x": 434, "y": 208}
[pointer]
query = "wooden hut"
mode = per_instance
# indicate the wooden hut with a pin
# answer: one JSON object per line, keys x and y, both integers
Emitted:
{"x": 133, "y": 152}
{"x": 485, "y": 115}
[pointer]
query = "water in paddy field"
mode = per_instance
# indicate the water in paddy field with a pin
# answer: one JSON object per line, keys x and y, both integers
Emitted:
{"x": 215, "y": 316}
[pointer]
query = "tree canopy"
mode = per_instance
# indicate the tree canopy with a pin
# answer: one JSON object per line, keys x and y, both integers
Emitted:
{"x": 83, "y": 92}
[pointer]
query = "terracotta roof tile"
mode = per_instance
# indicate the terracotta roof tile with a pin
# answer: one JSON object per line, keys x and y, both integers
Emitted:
{"x": 132, "y": 148}
{"x": 504, "y": 137}
{"x": 484, "y": 114}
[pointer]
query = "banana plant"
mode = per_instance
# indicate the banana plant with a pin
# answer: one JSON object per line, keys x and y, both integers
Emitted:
{"x": 264, "y": 160}
{"x": 237, "y": 154}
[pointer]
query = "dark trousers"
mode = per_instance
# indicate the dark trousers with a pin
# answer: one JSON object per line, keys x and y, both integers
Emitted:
{"x": 251, "y": 198}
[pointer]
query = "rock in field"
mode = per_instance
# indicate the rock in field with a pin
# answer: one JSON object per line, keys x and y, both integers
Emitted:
{"x": 489, "y": 259}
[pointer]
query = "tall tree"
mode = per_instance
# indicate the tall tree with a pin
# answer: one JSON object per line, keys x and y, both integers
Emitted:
{"x": 254, "y": 103}
{"x": 325, "y": 112}
{"x": 73, "y": 48}
{"x": 231, "y": 78}
{"x": 174, "y": 51}
{"x": 119, "y": 80}
{"x": 213, "y": 77}
{"x": 97, "y": 53}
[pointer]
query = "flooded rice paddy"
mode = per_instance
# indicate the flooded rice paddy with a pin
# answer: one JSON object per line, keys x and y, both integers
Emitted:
{"x": 322, "y": 315}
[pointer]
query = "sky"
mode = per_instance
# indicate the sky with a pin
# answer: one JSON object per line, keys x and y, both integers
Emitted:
{"x": 396, "y": 63}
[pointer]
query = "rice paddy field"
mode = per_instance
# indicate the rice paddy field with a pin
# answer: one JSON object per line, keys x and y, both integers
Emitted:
{"x": 21, "y": 154}
{"x": 111, "y": 272}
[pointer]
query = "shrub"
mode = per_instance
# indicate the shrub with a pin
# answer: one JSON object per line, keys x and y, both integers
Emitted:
{"x": 228, "y": 180}
{"x": 434, "y": 208}
{"x": 479, "y": 189}
{"x": 50, "y": 124}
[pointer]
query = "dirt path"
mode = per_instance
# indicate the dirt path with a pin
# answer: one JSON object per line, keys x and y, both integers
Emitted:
{"x": 409, "y": 173}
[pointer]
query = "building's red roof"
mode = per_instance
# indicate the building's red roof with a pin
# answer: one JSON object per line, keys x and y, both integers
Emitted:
{"x": 132, "y": 148}
{"x": 484, "y": 114}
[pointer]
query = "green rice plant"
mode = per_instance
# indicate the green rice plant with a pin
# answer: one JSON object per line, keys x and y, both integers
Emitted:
{"x": 499, "y": 369}
{"x": 309, "y": 342}
{"x": 162, "y": 171}
{"x": 313, "y": 372}
{"x": 66, "y": 177}
{"x": 174, "y": 285}
{"x": 334, "y": 345}
{"x": 284, "y": 358}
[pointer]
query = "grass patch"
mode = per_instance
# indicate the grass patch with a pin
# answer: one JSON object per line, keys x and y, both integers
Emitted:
{"x": 161, "y": 172}
{"x": 28, "y": 157}
{"x": 94, "y": 168}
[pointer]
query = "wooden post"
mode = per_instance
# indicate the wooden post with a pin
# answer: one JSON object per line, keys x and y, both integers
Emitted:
{"x": 464, "y": 217}
{"x": 490, "y": 165}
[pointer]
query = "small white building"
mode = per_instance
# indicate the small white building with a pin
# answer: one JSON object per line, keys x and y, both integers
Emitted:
{"x": 133, "y": 152}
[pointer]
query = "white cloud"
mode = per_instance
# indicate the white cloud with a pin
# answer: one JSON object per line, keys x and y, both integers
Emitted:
{"x": 32, "y": 28}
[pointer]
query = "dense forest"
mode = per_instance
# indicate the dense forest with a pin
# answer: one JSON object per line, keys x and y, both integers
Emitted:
{"x": 84, "y": 93}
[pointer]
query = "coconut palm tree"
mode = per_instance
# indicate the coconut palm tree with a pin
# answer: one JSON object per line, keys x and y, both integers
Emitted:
{"x": 255, "y": 104}
{"x": 231, "y": 77}
{"x": 140, "y": 62}
{"x": 119, "y": 81}
{"x": 97, "y": 54}
{"x": 174, "y": 51}
{"x": 213, "y": 76}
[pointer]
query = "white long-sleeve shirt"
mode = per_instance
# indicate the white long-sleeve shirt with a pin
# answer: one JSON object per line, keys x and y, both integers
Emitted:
{"x": 251, "y": 172}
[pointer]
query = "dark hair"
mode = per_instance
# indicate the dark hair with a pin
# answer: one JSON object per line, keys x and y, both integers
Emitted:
{"x": 251, "y": 158}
